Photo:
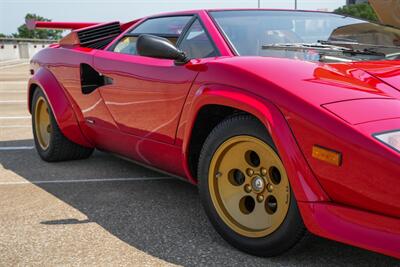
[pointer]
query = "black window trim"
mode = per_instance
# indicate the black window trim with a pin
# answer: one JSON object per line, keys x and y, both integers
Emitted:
{"x": 166, "y": 35}
{"x": 223, "y": 34}
{"x": 129, "y": 34}
{"x": 185, "y": 29}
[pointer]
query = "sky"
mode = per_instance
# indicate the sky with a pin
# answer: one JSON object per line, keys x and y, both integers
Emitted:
{"x": 12, "y": 12}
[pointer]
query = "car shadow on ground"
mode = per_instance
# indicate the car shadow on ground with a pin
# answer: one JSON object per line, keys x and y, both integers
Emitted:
{"x": 163, "y": 218}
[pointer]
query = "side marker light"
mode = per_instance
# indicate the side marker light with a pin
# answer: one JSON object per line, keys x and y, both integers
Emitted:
{"x": 327, "y": 155}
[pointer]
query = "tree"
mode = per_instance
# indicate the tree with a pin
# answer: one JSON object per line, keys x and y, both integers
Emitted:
{"x": 363, "y": 11}
{"x": 2, "y": 35}
{"x": 24, "y": 32}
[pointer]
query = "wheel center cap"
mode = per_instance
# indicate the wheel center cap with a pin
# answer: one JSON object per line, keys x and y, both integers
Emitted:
{"x": 257, "y": 183}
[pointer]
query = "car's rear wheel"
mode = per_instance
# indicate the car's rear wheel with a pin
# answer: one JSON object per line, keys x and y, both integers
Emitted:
{"x": 245, "y": 190}
{"x": 50, "y": 143}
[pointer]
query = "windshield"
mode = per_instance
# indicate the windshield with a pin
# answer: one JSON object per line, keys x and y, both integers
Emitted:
{"x": 313, "y": 36}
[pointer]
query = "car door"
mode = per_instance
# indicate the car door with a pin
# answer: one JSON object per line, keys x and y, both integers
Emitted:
{"x": 145, "y": 95}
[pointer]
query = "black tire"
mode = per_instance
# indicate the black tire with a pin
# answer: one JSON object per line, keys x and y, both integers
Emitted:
{"x": 59, "y": 148}
{"x": 292, "y": 229}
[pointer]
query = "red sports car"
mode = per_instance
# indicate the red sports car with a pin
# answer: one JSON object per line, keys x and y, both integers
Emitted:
{"x": 288, "y": 121}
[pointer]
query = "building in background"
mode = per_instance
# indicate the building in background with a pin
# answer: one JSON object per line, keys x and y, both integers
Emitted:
{"x": 17, "y": 48}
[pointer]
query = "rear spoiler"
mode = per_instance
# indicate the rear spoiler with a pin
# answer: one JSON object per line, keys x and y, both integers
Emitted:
{"x": 32, "y": 25}
{"x": 85, "y": 34}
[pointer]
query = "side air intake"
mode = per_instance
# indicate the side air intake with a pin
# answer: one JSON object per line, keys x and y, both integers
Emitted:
{"x": 97, "y": 36}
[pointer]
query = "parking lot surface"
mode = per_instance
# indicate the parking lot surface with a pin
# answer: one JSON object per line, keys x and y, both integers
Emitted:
{"x": 107, "y": 211}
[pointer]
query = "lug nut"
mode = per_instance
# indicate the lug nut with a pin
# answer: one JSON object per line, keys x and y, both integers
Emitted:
{"x": 270, "y": 187}
{"x": 263, "y": 171}
{"x": 247, "y": 188}
{"x": 260, "y": 198}
{"x": 250, "y": 172}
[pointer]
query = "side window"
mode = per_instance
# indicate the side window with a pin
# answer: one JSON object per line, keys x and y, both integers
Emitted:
{"x": 196, "y": 43}
{"x": 163, "y": 26}
{"x": 167, "y": 27}
{"x": 127, "y": 45}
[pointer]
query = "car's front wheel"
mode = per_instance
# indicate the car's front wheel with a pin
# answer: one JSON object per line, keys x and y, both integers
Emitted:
{"x": 50, "y": 142}
{"x": 245, "y": 190}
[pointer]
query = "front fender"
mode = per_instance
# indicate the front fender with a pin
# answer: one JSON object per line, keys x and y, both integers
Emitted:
{"x": 305, "y": 185}
{"x": 59, "y": 104}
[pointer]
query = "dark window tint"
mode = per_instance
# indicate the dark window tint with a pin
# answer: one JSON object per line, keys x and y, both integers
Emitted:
{"x": 163, "y": 26}
{"x": 196, "y": 43}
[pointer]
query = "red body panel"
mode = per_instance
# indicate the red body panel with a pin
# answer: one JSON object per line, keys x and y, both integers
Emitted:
{"x": 60, "y": 105}
{"x": 384, "y": 109}
{"x": 148, "y": 111}
{"x": 352, "y": 226}
{"x": 141, "y": 85}
{"x": 32, "y": 24}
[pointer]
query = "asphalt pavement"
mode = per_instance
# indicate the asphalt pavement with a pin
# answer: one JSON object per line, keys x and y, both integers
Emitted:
{"x": 107, "y": 211}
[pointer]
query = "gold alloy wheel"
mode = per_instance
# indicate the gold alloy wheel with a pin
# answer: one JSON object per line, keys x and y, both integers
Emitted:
{"x": 43, "y": 127}
{"x": 249, "y": 186}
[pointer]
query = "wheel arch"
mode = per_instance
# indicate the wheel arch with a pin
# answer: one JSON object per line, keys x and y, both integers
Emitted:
{"x": 59, "y": 104}
{"x": 209, "y": 116}
{"x": 231, "y": 101}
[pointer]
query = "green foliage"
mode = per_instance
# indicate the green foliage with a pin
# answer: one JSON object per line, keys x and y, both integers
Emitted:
{"x": 24, "y": 32}
{"x": 363, "y": 11}
{"x": 2, "y": 35}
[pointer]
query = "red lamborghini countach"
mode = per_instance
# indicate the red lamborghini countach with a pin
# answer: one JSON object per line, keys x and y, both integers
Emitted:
{"x": 288, "y": 121}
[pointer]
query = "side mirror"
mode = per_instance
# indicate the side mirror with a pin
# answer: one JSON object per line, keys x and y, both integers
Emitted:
{"x": 154, "y": 46}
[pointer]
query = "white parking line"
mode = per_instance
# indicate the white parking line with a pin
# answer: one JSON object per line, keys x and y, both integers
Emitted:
{"x": 89, "y": 180}
{"x": 15, "y": 81}
{"x": 12, "y": 66}
{"x": 12, "y": 91}
{"x": 14, "y": 117}
{"x": 15, "y": 126}
{"x": 13, "y": 61}
{"x": 5, "y": 148}
{"x": 12, "y": 101}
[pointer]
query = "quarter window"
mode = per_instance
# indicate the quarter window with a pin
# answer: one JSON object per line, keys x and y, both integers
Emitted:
{"x": 127, "y": 45}
{"x": 162, "y": 26}
{"x": 196, "y": 43}
{"x": 167, "y": 27}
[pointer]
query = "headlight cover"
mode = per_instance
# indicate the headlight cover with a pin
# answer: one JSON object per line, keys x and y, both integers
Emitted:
{"x": 391, "y": 139}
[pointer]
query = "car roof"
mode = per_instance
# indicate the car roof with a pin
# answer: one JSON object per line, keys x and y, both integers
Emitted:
{"x": 196, "y": 11}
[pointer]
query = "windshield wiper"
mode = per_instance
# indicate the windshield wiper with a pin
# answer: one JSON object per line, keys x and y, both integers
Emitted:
{"x": 303, "y": 46}
{"x": 322, "y": 49}
{"x": 349, "y": 42}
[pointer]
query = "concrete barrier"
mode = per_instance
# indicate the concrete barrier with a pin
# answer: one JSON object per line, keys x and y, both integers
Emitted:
{"x": 18, "y": 48}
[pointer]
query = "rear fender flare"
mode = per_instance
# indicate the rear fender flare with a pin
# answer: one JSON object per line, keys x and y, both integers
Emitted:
{"x": 59, "y": 104}
{"x": 304, "y": 184}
